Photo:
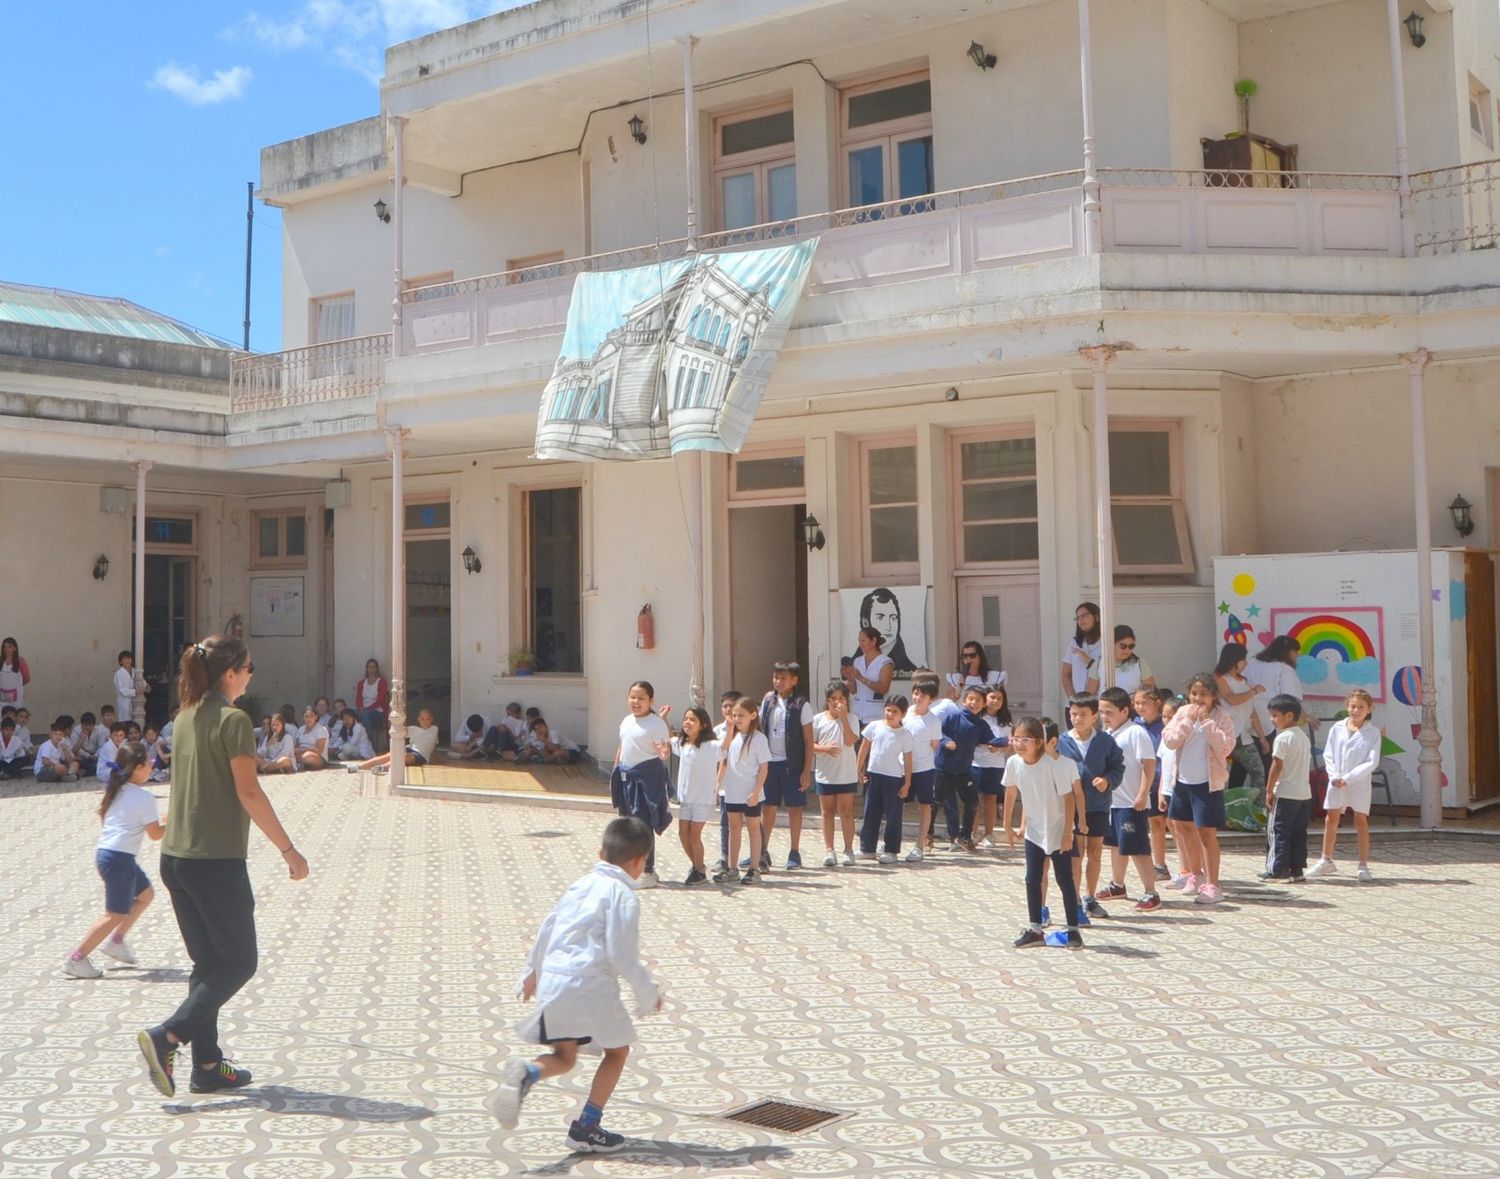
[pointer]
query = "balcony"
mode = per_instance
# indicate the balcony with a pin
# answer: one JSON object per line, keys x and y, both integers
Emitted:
{"x": 306, "y": 376}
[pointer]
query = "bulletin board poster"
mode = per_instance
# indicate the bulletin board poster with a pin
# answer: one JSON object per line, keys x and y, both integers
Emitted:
{"x": 898, "y": 612}
{"x": 1355, "y": 618}
{"x": 276, "y": 607}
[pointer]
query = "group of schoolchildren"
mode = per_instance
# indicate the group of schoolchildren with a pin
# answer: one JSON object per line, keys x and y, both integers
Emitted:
{"x": 74, "y": 749}
{"x": 330, "y": 733}
{"x": 518, "y": 736}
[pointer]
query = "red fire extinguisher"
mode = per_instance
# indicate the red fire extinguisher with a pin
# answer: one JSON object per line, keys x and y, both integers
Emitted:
{"x": 645, "y": 629}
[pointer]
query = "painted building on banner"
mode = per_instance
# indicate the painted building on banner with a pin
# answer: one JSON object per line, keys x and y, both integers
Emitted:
{"x": 1254, "y": 289}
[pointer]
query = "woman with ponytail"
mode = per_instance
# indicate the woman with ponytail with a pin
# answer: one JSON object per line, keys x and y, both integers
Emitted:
{"x": 215, "y": 797}
{"x": 127, "y": 814}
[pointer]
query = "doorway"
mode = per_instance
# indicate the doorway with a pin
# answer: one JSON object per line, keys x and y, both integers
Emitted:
{"x": 429, "y": 630}
{"x": 767, "y": 595}
{"x": 1003, "y": 615}
{"x": 168, "y": 628}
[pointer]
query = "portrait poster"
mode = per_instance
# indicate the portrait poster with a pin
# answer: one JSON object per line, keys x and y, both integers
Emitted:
{"x": 899, "y": 613}
{"x": 276, "y": 607}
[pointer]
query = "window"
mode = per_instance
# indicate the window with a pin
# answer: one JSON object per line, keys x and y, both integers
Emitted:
{"x": 1479, "y": 112}
{"x": 279, "y": 536}
{"x": 1147, "y": 508}
{"x": 888, "y": 479}
{"x": 763, "y": 474}
{"x": 996, "y": 496}
{"x": 332, "y": 318}
{"x": 755, "y": 168}
{"x": 534, "y": 267}
{"x": 428, "y": 517}
{"x": 429, "y": 286}
{"x": 885, "y": 133}
{"x": 170, "y": 531}
{"x": 553, "y": 587}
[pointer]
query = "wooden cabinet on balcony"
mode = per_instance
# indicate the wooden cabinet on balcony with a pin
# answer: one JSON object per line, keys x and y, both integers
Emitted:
{"x": 1225, "y": 158}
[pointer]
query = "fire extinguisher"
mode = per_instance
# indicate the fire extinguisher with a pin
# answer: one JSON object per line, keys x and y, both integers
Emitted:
{"x": 645, "y": 630}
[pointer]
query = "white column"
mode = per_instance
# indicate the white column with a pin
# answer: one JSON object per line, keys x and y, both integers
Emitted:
{"x": 1091, "y": 206}
{"x": 1398, "y": 96}
{"x": 396, "y": 441}
{"x": 1430, "y": 758}
{"x": 398, "y": 224}
{"x": 138, "y": 643}
{"x": 690, "y": 140}
{"x": 1099, "y": 358}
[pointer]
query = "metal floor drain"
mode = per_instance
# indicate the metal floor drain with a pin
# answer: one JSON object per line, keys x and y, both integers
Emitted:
{"x": 784, "y": 1117}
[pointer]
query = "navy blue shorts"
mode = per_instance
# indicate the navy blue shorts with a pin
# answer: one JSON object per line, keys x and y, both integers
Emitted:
{"x": 1195, "y": 803}
{"x": 742, "y": 808}
{"x": 1098, "y": 824}
{"x": 829, "y": 789}
{"x": 123, "y": 879}
{"x": 988, "y": 779}
{"x": 922, "y": 783}
{"x": 784, "y": 785}
{"x": 1132, "y": 830}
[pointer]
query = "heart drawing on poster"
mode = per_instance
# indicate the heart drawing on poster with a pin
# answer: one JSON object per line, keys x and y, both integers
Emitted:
{"x": 1265, "y": 637}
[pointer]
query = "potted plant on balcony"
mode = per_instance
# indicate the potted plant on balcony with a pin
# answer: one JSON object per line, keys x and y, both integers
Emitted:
{"x": 1244, "y": 89}
{"x": 522, "y": 661}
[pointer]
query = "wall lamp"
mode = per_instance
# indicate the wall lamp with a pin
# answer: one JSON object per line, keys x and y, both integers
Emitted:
{"x": 812, "y": 533}
{"x": 472, "y": 563}
{"x": 1463, "y": 515}
{"x": 637, "y": 129}
{"x": 101, "y": 567}
{"x": 381, "y": 211}
{"x": 985, "y": 61}
{"x": 1413, "y": 25}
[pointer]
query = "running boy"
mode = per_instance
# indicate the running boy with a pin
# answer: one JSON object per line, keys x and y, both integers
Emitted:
{"x": 587, "y": 942}
{"x": 1288, "y": 791}
{"x": 1129, "y": 812}
{"x": 1046, "y": 787}
{"x": 1350, "y": 757}
{"x": 786, "y": 719}
{"x": 1100, "y": 768}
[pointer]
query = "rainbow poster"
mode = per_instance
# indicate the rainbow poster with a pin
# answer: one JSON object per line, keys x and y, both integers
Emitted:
{"x": 1342, "y": 647}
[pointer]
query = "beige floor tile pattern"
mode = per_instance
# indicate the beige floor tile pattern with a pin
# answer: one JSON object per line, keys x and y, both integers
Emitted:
{"x": 1336, "y": 1029}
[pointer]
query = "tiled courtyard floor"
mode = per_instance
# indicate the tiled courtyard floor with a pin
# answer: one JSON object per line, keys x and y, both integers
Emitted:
{"x": 1335, "y": 1029}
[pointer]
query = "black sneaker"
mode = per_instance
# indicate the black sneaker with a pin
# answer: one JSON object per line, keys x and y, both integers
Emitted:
{"x": 726, "y": 876}
{"x": 1093, "y": 908}
{"x": 1075, "y": 940}
{"x": 1298, "y": 879}
{"x": 751, "y": 876}
{"x": 1031, "y": 937}
{"x": 1272, "y": 876}
{"x": 593, "y": 1139}
{"x": 765, "y": 861}
{"x": 223, "y": 1075}
{"x": 696, "y": 877}
{"x": 160, "y": 1054}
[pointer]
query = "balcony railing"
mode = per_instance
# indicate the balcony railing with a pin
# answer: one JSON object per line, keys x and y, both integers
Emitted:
{"x": 304, "y": 376}
{"x": 1455, "y": 208}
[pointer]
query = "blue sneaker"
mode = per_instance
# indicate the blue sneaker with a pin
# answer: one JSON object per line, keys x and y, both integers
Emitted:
{"x": 593, "y": 1139}
{"x": 744, "y": 862}
{"x": 793, "y": 859}
{"x": 1046, "y": 916}
{"x": 1083, "y": 917}
{"x": 1058, "y": 937}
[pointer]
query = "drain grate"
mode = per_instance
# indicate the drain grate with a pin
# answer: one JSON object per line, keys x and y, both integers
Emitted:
{"x": 784, "y": 1117}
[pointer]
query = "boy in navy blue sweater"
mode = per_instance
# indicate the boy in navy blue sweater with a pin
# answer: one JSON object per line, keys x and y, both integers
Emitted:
{"x": 1101, "y": 766}
{"x": 962, "y": 732}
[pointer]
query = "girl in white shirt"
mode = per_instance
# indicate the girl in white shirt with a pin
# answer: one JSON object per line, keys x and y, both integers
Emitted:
{"x": 349, "y": 741}
{"x": 277, "y": 751}
{"x": 312, "y": 741}
{"x": 638, "y": 785}
{"x": 698, "y": 756}
{"x": 1239, "y": 697}
{"x": 742, "y": 778}
{"x": 868, "y": 677}
{"x": 1080, "y": 668}
{"x": 1351, "y": 757}
{"x": 973, "y": 669}
{"x": 1131, "y": 671}
{"x": 834, "y": 770}
{"x": 127, "y": 813}
{"x": 885, "y": 761}
{"x": 989, "y": 765}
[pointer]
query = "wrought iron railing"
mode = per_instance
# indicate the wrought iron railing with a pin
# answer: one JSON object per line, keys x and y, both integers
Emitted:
{"x": 1455, "y": 209}
{"x": 303, "y": 376}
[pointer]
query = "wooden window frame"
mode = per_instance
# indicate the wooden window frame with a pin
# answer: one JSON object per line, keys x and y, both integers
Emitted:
{"x": 770, "y": 496}
{"x": 530, "y": 262}
{"x": 760, "y": 161}
{"x": 957, "y": 439}
{"x": 869, "y": 568}
{"x": 1480, "y": 101}
{"x": 524, "y": 566}
{"x": 1176, "y": 498}
{"x": 889, "y": 134}
{"x": 282, "y": 559}
{"x": 316, "y": 301}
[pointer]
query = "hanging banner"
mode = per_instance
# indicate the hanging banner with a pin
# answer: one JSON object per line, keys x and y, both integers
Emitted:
{"x": 670, "y": 357}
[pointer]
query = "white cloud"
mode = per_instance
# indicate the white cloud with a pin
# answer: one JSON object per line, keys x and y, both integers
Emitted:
{"x": 187, "y": 84}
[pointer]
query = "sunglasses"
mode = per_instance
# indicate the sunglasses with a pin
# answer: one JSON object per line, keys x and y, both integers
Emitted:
{"x": 249, "y": 667}
{"x": 1126, "y": 646}
{"x": 969, "y": 654}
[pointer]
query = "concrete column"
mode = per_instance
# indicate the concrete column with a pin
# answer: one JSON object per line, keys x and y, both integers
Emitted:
{"x": 1099, "y": 358}
{"x": 1430, "y": 759}
{"x": 398, "y": 224}
{"x": 690, "y": 140}
{"x": 1091, "y": 206}
{"x": 138, "y": 705}
{"x": 396, "y": 441}
{"x": 1398, "y": 96}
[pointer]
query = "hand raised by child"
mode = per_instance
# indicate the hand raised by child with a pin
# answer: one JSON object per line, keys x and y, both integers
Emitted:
{"x": 664, "y": 711}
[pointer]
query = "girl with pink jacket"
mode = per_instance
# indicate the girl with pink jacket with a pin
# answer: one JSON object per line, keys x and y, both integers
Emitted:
{"x": 1202, "y": 736}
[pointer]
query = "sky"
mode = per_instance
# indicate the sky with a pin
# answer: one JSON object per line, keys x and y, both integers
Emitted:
{"x": 133, "y": 128}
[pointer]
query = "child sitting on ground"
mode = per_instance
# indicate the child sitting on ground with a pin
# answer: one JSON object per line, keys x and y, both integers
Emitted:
{"x": 546, "y": 747}
{"x": 15, "y": 761}
{"x": 468, "y": 741}
{"x": 54, "y": 760}
{"x": 87, "y": 738}
{"x": 505, "y": 738}
{"x": 421, "y": 744}
{"x": 348, "y": 740}
{"x": 587, "y": 942}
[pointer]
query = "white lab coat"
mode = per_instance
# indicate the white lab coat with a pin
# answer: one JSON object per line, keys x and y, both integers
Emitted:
{"x": 124, "y": 693}
{"x": 589, "y": 941}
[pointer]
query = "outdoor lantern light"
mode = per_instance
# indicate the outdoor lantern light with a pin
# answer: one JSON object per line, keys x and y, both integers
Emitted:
{"x": 985, "y": 61}
{"x": 1463, "y": 515}
{"x": 101, "y": 567}
{"x": 812, "y": 533}
{"x": 637, "y": 129}
{"x": 1413, "y": 25}
{"x": 381, "y": 211}
{"x": 472, "y": 563}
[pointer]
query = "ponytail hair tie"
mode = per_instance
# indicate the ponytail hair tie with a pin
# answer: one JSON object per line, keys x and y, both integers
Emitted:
{"x": 114, "y": 765}
{"x": 198, "y": 647}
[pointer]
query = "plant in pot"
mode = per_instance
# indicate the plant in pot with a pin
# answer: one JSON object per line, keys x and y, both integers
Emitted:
{"x": 522, "y": 661}
{"x": 1245, "y": 89}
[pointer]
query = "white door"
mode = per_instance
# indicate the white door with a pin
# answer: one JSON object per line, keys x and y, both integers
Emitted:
{"x": 1004, "y": 616}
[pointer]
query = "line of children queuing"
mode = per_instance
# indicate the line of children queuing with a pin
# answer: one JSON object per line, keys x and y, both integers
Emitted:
{"x": 75, "y": 749}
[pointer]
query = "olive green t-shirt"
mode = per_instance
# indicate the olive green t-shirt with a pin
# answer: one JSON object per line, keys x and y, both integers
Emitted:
{"x": 205, "y": 820}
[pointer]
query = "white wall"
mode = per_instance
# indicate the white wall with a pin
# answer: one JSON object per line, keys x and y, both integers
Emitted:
{"x": 1204, "y": 61}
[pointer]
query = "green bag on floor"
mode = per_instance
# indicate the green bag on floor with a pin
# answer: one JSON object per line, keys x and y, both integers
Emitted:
{"x": 1244, "y": 809}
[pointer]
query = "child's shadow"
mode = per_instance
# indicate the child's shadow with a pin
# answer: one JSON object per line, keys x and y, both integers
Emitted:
{"x": 680, "y": 1154}
{"x": 280, "y": 1099}
{"x": 155, "y": 974}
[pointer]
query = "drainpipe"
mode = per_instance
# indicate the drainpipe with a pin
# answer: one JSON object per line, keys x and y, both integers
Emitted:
{"x": 691, "y": 464}
{"x": 138, "y": 704}
{"x": 690, "y": 139}
{"x": 398, "y": 224}
{"x": 396, "y": 442}
{"x": 1099, "y": 358}
{"x": 1403, "y": 165}
{"x": 1091, "y": 204}
{"x": 1430, "y": 759}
